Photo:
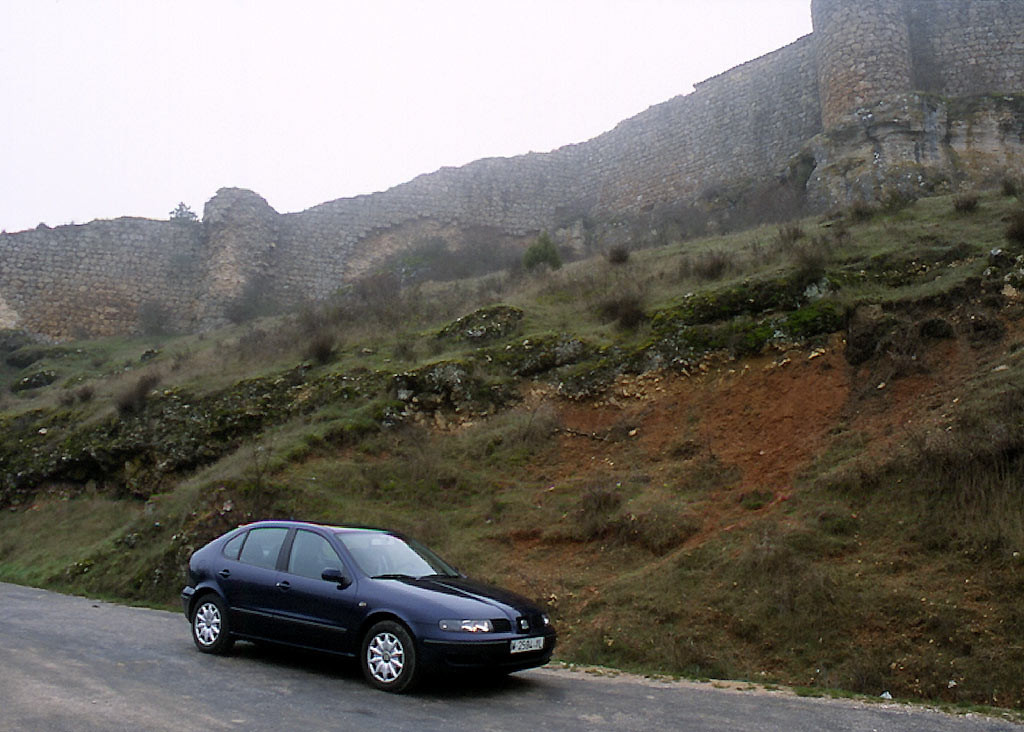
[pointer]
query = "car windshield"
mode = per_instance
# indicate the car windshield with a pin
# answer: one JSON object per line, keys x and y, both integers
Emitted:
{"x": 382, "y": 555}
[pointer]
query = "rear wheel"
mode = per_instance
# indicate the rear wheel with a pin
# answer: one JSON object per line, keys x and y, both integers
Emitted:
{"x": 210, "y": 629}
{"x": 388, "y": 657}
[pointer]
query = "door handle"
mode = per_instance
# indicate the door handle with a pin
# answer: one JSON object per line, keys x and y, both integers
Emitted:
{"x": 284, "y": 585}
{"x": 225, "y": 573}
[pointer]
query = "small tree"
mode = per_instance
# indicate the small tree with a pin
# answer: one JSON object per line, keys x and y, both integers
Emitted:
{"x": 542, "y": 251}
{"x": 183, "y": 213}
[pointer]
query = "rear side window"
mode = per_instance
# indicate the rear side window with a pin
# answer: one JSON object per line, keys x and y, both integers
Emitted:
{"x": 262, "y": 547}
{"x": 233, "y": 546}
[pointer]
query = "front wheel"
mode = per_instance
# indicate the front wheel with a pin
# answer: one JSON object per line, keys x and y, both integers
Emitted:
{"x": 389, "y": 657}
{"x": 210, "y": 629}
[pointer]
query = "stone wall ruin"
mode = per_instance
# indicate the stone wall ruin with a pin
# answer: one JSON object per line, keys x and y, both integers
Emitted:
{"x": 884, "y": 93}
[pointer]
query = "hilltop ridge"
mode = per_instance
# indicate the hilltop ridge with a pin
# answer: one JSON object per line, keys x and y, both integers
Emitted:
{"x": 790, "y": 454}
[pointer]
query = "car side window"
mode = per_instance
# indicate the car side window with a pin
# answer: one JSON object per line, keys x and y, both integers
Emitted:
{"x": 262, "y": 547}
{"x": 311, "y": 555}
{"x": 232, "y": 548}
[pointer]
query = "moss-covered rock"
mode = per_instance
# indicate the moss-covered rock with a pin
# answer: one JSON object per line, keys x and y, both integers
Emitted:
{"x": 535, "y": 356}
{"x": 486, "y": 324}
{"x": 34, "y": 381}
{"x": 747, "y": 298}
{"x": 449, "y": 385}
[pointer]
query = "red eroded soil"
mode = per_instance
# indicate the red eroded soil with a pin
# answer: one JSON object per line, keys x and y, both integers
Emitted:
{"x": 765, "y": 419}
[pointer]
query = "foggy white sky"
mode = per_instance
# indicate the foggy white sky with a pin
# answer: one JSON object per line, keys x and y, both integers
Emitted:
{"x": 126, "y": 107}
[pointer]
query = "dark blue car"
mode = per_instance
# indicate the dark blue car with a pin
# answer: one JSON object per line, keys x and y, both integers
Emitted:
{"x": 365, "y": 593}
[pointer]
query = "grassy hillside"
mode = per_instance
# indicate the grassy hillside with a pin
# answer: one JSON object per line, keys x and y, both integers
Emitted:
{"x": 789, "y": 455}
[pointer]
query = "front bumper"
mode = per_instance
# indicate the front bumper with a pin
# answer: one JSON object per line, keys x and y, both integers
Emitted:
{"x": 457, "y": 655}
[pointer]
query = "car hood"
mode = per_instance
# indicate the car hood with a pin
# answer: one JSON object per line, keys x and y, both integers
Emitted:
{"x": 461, "y": 596}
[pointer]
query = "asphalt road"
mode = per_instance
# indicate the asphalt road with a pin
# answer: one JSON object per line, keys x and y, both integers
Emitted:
{"x": 70, "y": 663}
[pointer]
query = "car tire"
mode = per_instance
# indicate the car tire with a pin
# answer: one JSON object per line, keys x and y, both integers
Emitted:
{"x": 388, "y": 657}
{"x": 210, "y": 629}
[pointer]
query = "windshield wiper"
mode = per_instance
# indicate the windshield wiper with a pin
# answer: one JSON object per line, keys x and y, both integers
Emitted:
{"x": 392, "y": 576}
{"x": 438, "y": 576}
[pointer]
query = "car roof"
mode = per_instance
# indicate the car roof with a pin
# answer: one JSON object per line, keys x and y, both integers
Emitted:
{"x": 310, "y": 524}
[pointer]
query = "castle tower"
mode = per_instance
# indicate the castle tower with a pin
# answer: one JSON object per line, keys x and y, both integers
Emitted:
{"x": 863, "y": 54}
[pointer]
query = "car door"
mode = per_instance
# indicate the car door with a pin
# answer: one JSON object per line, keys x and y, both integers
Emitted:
{"x": 250, "y": 583}
{"x": 319, "y": 613}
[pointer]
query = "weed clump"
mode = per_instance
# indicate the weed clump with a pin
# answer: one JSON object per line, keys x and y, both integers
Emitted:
{"x": 596, "y": 513}
{"x": 707, "y": 266}
{"x": 618, "y": 254}
{"x": 321, "y": 347}
{"x": 862, "y": 211}
{"x": 966, "y": 203}
{"x": 625, "y": 310}
{"x": 790, "y": 234}
{"x": 897, "y": 200}
{"x": 1015, "y": 229}
{"x": 133, "y": 399}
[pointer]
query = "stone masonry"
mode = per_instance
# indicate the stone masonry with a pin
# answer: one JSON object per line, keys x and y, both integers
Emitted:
{"x": 905, "y": 94}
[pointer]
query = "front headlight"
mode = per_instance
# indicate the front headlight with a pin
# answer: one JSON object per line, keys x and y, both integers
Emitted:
{"x": 546, "y": 619}
{"x": 467, "y": 626}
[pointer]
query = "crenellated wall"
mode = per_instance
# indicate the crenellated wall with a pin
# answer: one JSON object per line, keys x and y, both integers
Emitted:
{"x": 914, "y": 94}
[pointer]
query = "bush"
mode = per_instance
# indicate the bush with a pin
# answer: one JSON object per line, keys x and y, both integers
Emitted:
{"x": 254, "y": 301}
{"x": 596, "y": 514}
{"x": 133, "y": 399}
{"x": 1015, "y": 229}
{"x": 811, "y": 259}
{"x": 862, "y": 211}
{"x": 626, "y": 310}
{"x": 618, "y": 255}
{"x": 542, "y": 251}
{"x": 894, "y": 201}
{"x": 321, "y": 347}
{"x": 707, "y": 267}
{"x": 790, "y": 234}
{"x": 183, "y": 213}
{"x": 1011, "y": 186}
{"x": 966, "y": 203}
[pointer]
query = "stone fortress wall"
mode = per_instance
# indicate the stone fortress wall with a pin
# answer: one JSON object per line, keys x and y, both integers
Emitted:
{"x": 890, "y": 70}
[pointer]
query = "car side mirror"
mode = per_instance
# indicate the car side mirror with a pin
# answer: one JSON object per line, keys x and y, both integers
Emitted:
{"x": 336, "y": 576}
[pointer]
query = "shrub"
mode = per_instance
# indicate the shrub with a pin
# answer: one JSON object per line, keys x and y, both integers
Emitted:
{"x": 708, "y": 266}
{"x": 1015, "y": 229}
{"x": 254, "y": 301}
{"x": 183, "y": 213}
{"x": 790, "y": 234}
{"x": 897, "y": 200}
{"x": 542, "y": 251}
{"x": 862, "y": 211}
{"x": 321, "y": 347}
{"x": 133, "y": 399}
{"x": 626, "y": 310}
{"x": 966, "y": 203}
{"x": 810, "y": 260}
{"x": 1011, "y": 186}
{"x": 618, "y": 254}
{"x": 596, "y": 513}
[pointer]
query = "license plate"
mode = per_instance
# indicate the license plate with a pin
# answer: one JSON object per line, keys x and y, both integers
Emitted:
{"x": 522, "y": 645}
